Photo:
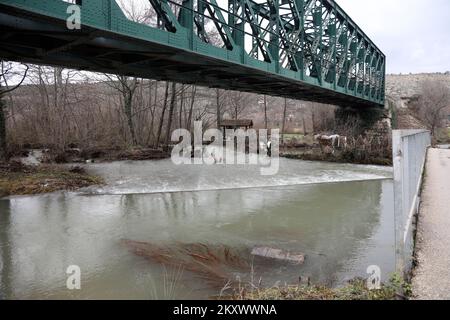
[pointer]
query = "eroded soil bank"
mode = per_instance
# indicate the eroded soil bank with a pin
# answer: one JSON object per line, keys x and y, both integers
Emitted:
{"x": 353, "y": 157}
{"x": 40, "y": 170}
{"x": 19, "y": 179}
{"x": 98, "y": 154}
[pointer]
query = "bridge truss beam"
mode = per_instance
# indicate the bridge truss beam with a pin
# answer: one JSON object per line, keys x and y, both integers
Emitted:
{"x": 302, "y": 49}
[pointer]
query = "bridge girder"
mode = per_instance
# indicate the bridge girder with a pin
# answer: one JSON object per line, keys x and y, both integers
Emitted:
{"x": 303, "y": 49}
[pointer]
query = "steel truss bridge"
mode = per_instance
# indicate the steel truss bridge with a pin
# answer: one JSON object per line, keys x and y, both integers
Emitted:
{"x": 302, "y": 49}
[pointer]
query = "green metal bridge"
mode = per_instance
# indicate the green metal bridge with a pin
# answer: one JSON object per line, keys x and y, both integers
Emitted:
{"x": 301, "y": 49}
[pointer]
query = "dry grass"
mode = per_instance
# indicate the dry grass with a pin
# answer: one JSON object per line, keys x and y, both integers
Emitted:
{"x": 443, "y": 136}
{"x": 376, "y": 150}
{"x": 348, "y": 157}
{"x": 217, "y": 266}
{"x": 395, "y": 289}
{"x": 16, "y": 179}
{"x": 213, "y": 264}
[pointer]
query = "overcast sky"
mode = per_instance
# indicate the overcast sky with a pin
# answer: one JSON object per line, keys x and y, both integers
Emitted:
{"x": 414, "y": 34}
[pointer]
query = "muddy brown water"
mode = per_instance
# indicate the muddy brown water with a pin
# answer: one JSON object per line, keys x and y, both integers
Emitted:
{"x": 339, "y": 216}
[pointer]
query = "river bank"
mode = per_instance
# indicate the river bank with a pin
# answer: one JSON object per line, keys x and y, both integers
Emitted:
{"x": 19, "y": 179}
{"x": 35, "y": 171}
{"x": 306, "y": 149}
{"x": 40, "y": 170}
{"x": 356, "y": 289}
{"x": 339, "y": 156}
{"x": 99, "y": 154}
{"x": 365, "y": 150}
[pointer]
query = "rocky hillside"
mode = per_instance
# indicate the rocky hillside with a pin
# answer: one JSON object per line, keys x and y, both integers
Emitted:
{"x": 403, "y": 87}
{"x": 400, "y": 89}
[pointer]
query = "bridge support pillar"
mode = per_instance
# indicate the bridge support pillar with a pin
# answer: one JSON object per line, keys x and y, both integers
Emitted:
{"x": 355, "y": 122}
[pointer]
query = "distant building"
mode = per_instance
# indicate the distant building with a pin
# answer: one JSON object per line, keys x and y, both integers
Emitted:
{"x": 236, "y": 124}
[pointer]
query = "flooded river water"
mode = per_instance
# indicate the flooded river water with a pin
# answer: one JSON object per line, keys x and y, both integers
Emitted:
{"x": 339, "y": 216}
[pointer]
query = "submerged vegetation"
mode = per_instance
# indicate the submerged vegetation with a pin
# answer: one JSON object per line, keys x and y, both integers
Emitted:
{"x": 234, "y": 272}
{"x": 19, "y": 179}
{"x": 213, "y": 264}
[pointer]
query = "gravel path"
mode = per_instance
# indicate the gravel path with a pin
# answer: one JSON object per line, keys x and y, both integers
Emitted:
{"x": 432, "y": 276}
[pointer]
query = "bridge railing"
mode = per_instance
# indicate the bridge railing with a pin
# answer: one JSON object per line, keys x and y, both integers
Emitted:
{"x": 409, "y": 157}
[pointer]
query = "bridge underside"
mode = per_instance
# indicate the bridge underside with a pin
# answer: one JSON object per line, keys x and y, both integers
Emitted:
{"x": 38, "y": 38}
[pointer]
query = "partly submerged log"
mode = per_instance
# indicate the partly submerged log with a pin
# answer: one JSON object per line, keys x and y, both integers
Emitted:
{"x": 278, "y": 254}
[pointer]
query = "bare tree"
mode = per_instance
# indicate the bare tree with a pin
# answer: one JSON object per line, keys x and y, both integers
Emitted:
{"x": 127, "y": 87}
{"x": 265, "y": 112}
{"x": 181, "y": 108}
{"x": 50, "y": 107}
{"x": 219, "y": 107}
{"x": 238, "y": 103}
{"x": 173, "y": 102}
{"x": 151, "y": 106}
{"x": 433, "y": 104}
{"x": 313, "y": 116}
{"x": 191, "y": 108}
{"x": 163, "y": 112}
{"x": 9, "y": 72}
{"x": 283, "y": 126}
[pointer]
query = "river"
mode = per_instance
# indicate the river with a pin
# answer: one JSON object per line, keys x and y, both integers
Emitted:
{"x": 340, "y": 216}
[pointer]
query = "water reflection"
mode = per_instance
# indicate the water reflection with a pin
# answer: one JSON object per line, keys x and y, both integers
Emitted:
{"x": 342, "y": 228}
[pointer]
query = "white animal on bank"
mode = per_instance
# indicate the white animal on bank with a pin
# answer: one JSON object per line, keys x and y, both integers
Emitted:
{"x": 338, "y": 141}
{"x": 333, "y": 141}
{"x": 214, "y": 155}
{"x": 266, "y": 146}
